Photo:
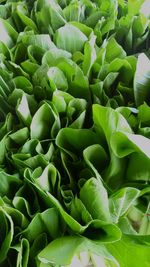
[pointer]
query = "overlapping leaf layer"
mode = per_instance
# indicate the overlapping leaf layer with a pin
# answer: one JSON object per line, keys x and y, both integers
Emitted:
{"x": 74, "y": 133}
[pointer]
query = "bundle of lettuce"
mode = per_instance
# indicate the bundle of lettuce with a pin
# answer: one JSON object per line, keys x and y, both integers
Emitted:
{"x": 74, "y": 133}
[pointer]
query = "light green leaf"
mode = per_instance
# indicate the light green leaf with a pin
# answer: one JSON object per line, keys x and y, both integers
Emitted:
{"x": 109, "y": 121}
{"x": 114, "y": 50}
{"x": 121, "y": 201}
{"x": 89, "y": 55}
{"x": 8, "y": 35}
{"x": 23, "y": 110}
{"x": 43, "y": 118}
{"x": 51, "y": 56}
{"x": 57, "y": 79}
{"x": 94, "y": 197}
{"x": 134, "y": 6}
{"x": 142, "y": 80}
{"x": 41, "y": 40}
{"x": 123, "y": 144}
{"x": 131, "y": 251}
{"x": 55, "y": 253}
{"x": 70, "y": 38}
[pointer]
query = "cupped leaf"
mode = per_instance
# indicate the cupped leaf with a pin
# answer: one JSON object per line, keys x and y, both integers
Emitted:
{"x": 20, "y": 136}
{"x": 94, "y": 197}
{"x": 57, "y": 79}
{"x": 45, "y": 222}
{"x": 124, "y": 144}
{"x": 9, "y": 184}
{"x": 23, "y": 83}
{"x": 109, "y": 121}
{"x": 23, "y": 111}
{"x": 96, "y": 158}
{"x": 70, "y": 38}
{"x": 49, "y": 179}
{"x": 42, "y": 122}
{"x": 75, "y": 140}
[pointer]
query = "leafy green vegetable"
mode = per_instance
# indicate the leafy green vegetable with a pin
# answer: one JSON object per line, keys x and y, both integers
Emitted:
{"x": 74, "y": 133}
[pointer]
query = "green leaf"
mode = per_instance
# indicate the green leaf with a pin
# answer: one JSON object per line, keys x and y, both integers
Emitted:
{"x": 73, "y": 12}
{"x": 52, "y": 55}
{"x": 142, "y": 80}
{"x": 124, "y": 144}
{"x": 130, "y": 251}
{"x": 9, "y": 184}
{"x": 96, "y": 158}
{"x": 45, "y": 222}
{"x": 57, "y": 79}
{"x": 49, "y": 179}
{"x": 82, "y": 27}
{"x": 7, "y": 232}
{"x": 8, "y": 34}
{"x": 109, "y": 121}
{"x": 41, "y": 40}
{"x": 143, "y": 115}
{"x": 23, "y": 253}
{"x": 43, "y": 118}
{"x": 3, "y": 147}
{"x": 74, "y": 150}
{"x": 55, "y": 253}
{"x": 89, "y": 55}
{"x": 35, "y": 53}
{"x": 20, "y": 136}
{"x": 138, "y": 167}
{"x": 23, "y": 83}
{"x": 134, "y": 6}
{"x": 70, "y": 38}
{"x": 114, "y": 50}
{"x": 121, "y": 201}
{"x": 25, "y": 19}
{"x": 23, "y": 111}
{"x": 74, "y": 141}
{"x": 98, "y": 208}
